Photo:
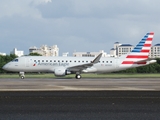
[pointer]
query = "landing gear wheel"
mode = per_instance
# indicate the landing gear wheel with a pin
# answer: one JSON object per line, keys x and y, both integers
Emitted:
{"x": 21, "y": 75}
{"x": 78, "y": 76}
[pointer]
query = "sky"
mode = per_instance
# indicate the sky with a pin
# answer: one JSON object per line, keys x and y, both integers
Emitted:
{"x": 76, "y": 25}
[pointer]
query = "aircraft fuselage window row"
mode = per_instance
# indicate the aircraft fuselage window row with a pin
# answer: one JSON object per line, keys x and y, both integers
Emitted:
{"x": 71, "y": 61}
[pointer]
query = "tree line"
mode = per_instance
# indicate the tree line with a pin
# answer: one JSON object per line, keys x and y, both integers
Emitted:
{"x": 151, "y": 68}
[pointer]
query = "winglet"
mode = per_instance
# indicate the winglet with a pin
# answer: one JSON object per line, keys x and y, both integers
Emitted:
{"x": 96, "y": 60}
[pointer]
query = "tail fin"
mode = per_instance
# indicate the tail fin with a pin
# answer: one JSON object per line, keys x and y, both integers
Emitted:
{"x": 141, "y": 51}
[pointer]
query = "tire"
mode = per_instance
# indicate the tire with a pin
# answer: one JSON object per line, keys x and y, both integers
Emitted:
{"x": 78, "y": 76}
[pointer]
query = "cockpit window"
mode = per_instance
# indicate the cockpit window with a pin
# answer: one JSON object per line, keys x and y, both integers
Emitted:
{"x": 15, "y": 60}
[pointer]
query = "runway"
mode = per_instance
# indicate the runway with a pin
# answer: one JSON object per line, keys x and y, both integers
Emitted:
{"x": 80, "y": 105}
{"x": 85, "y": 99}
{"x": 139, "y": 84}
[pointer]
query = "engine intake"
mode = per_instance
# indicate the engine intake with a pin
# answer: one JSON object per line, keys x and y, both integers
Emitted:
{"x": 61, "y": 72}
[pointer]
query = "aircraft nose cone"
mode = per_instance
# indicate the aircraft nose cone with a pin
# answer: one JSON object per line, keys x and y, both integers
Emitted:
{"x": 5, "y": 67}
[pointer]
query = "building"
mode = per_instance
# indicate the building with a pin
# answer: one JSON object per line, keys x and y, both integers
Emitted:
{"x": 116, "y": 45}
{"x": 113, "y": 52}
{"x": 17, "y": 52}
{"x": 44, "y": 50}
{"x": 155, "y": 51}
{"x": 4, "y": 54}
{"x": 120, "y": 49}
{"x": 124, "y": 49}
{"x": 65, "y": 54}
{"x": 89, "y": 54}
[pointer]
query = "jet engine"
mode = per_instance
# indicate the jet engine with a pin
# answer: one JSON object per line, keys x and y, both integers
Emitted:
{"x": 61, "y": 72}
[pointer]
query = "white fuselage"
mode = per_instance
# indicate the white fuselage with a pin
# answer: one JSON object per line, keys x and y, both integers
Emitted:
{"x": 49, "y": 64}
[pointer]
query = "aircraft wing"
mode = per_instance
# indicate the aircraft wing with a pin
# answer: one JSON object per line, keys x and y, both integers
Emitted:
{"x": 79, "y": 68}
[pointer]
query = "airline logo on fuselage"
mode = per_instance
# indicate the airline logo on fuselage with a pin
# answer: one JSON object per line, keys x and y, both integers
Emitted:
{"x": 51, "y": 64}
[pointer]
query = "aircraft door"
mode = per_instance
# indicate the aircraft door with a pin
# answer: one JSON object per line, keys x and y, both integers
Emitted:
{"x": 116, "y": 63}
{"x": 27, "y": 60}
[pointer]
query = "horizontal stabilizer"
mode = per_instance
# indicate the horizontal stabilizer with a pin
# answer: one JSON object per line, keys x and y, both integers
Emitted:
{"x": 142, "y": 61}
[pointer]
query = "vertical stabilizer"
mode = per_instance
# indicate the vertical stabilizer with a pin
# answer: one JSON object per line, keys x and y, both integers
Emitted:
{"x": 140, "y": 52}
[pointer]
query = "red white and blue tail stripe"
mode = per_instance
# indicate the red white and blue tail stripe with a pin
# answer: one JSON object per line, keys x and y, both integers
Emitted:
{"x": 140, "y": 52}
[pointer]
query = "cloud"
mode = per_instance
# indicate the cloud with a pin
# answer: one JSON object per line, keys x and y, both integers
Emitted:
{"x": 84, "y": 25}
{"x": 9, "y": 8}
{"x": 37, "y": 2}
{"x": 100, "y": 9}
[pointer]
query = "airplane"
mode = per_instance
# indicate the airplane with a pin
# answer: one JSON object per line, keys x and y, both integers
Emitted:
{"x": 62, "y": 66}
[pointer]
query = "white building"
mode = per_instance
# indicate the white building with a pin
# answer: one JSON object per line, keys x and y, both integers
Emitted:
{"x": 124, "y": 49}
{"x": 17, "y": 52}
{"x": 116, "y": 45}
{"x": 4, "y": 54}
{"x": 113, "y": 52}
{"x": 120, "y": 49}
{"x": 65, "y": 54}
{"x": 44, "y": 50}
{"x": 89, "y": 54}
{"x": 155, "y": 51}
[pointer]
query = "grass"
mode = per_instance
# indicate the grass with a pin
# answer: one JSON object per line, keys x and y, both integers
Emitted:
{"x": 110, "y": 75}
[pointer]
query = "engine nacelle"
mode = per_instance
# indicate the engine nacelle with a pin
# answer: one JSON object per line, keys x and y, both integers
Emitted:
{"x": 61, "y": 72}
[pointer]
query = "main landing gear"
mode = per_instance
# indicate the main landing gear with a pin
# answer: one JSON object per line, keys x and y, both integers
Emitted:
{"x": 21, "y": 75}
{"x": 78, "y": 76}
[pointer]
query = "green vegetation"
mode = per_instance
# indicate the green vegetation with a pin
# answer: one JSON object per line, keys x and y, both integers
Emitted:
{"x": 35, "y": 54}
